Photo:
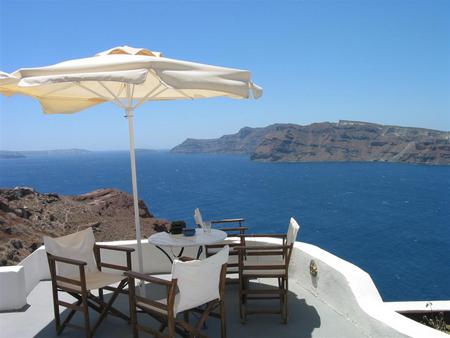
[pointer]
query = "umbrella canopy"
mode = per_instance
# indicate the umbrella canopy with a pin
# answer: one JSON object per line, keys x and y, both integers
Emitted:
{"x": 74, "y": 85}
{"x": 127, "y": 77}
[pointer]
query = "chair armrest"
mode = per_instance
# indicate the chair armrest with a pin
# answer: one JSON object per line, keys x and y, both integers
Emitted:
{"x": 241, "y": 229}
{"x": 114, "y": 247}
{"x": 100, "y": 264}
{"x": 262, "y": 247}
{"x": 228, "y": 220}
{"x": 283, "y": 236}
{"x": 147, "y": 278}
{"x": 65, "y": 260}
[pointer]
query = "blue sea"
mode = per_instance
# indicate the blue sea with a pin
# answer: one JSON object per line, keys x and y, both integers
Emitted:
{"x": 392, "y": 220}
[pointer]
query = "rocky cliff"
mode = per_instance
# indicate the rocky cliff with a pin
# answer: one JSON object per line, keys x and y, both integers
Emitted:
{"x": 342, "y": 141}
{"x": 26, "y": 215}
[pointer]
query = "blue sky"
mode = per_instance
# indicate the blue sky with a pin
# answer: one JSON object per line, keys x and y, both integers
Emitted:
{"x": 378, "y": 61}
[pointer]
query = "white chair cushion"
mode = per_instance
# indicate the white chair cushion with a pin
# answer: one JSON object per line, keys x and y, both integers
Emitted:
{"x": 79, "y": 246}
{"x": 198, "y": 281}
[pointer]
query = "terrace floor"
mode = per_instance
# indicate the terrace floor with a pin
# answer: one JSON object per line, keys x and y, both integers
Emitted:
{"x": 308, "y": 317}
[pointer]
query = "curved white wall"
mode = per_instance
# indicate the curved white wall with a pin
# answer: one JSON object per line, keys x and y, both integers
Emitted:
{"x": 351, "y": 292}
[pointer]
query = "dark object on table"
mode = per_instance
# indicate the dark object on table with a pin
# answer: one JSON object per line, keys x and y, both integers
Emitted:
{"x": 189, "y": 232}
{"x": 177, "y": 227}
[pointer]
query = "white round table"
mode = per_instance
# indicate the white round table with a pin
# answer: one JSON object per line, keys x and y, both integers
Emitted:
{"x": 200, "y": 239}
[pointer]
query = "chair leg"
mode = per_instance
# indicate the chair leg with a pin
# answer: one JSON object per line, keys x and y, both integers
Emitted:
{"x": 170, "y": 327}
{"x": 245, "y": 300}
{"x": 285, "y": 301}
{"x": 100, "y": 295}
{"x": 223, "y": 326}
{"x": 85, "y": 306}
{"x": 107, "y": 307}
{"x": 69, "y": 317}
{"x": 56, "y": 310}
{"x": 132, "y": 304}
{"x": 241, "y": 298}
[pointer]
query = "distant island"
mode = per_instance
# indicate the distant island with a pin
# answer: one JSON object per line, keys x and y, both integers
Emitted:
{"x": 6, "y": 154}
{"x": 327, "y": 141}
{"x": 11, "y": 154}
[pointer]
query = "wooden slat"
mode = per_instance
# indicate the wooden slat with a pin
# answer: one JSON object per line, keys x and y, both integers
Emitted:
{"x": 70, "y": 305}
{"x": 114, "y": 266}
{"x": 262, "y": 311}
{"x": 228, "y": 220}
{"x": 65, "y": 260}
{"x": 262, "y": 291}
{"x": 114, "y": 247}
{"x": 151, "y": 302}
{"x": 264, "y": 267}
{"x": 263, "y": 235}
{"x": 264, "y": 275}
{"x": 148, "y": 278}
{"x": 255, "y": 297}
{"x": 240, "y": 229}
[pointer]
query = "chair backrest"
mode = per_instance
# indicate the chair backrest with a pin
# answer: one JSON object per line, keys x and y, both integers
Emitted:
{"x": 198, "y": 281}
{"x": 198, "y": 217}
{"x": 292, "y": 231}
{"x": 79, "y": 246}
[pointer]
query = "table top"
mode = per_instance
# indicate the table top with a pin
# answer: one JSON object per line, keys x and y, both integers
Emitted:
{"x": 200, "y": 238}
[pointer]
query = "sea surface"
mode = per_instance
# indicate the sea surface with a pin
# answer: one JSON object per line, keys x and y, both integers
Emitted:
{"x": 392, "y": 220}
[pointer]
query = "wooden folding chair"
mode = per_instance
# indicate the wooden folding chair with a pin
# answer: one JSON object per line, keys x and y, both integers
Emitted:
{"x": 233, "y": 239}
{"x": 75, "y": 268}
{"x": 193, "y": 284}
{"x": 266, "y": 261}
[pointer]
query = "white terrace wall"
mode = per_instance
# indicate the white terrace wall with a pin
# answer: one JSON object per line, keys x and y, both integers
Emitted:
{"x": 22, "y": 278}
{"x": 351, "y": 292}
{"x": 341, "y": 285}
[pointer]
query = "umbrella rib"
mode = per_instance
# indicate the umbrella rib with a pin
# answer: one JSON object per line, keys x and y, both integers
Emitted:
{"x": 116, "y": 98}
{"x": 130, "y": 96}
{"x": 141, "y": 101}
{"x": 99, "y": 95}
{"x": 122, "y": 87}
{"x": 182, "y": 92}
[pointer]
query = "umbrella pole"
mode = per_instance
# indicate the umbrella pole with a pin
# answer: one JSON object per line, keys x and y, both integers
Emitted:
{"x": 135, "y": 191}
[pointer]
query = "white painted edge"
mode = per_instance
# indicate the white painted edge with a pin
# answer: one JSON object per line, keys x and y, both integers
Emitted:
{"x": 367, "y": 295}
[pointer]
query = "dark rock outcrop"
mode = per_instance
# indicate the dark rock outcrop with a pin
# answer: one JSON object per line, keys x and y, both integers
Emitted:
{"x": 342, "y": 141}
{"x": 26, "y": 215}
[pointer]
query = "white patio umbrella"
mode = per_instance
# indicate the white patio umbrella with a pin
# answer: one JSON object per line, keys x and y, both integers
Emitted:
{"x": 127, "y": 77}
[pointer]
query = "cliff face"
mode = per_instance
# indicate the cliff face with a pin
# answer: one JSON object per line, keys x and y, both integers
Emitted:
{"x": 342, "y": 141}
{"x": 245, "y": 141}
{"x": 27, "y": 215}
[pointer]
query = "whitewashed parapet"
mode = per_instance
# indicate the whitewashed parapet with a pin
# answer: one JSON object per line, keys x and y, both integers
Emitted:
{"x": 351, "y": 292}
{"x": 35, "y": 268}
{"x": 12, "y": 288}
